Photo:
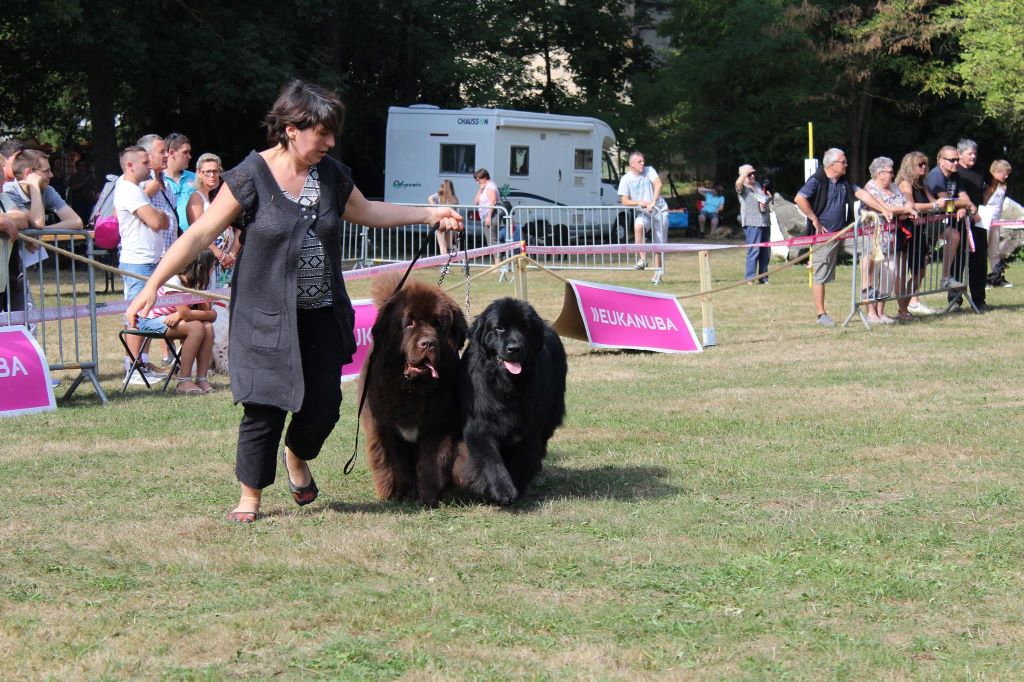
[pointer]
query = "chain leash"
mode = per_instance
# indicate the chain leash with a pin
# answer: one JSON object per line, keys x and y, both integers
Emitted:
{"x": 453, "y": 251}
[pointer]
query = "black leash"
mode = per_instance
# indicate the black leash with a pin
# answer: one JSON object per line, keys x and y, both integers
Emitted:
{"x": 350, "y": 464}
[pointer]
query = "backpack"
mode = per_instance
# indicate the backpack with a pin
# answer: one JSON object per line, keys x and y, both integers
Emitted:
{"x": 103, "y": 218}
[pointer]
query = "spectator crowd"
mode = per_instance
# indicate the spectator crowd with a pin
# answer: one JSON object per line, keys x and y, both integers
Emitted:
{"x": 944, "y": 214}
{"x": 155, "y": 199}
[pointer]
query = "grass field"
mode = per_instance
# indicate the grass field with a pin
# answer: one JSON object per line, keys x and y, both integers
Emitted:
{"x": 796, "y": 502}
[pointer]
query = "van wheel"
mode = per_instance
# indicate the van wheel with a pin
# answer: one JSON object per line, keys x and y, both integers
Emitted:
{"x": 621, "y": 229}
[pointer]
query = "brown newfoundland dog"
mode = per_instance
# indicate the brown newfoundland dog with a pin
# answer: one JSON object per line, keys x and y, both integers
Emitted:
{"x": 411, "y": 414}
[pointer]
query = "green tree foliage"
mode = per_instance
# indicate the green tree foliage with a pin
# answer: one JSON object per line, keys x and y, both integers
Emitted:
{"x": 871, "y": 49}
{"x": 728, "y": 92}
{"x": 745, "y": 77}
{"x": 103, "y": 73}
{"x": 991, "y": 63}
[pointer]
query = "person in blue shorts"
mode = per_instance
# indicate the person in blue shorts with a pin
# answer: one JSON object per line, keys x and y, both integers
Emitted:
{"x": 191, "y": 324}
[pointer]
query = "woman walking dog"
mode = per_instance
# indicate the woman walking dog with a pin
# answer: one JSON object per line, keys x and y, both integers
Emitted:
{"x": 292, "y": 321}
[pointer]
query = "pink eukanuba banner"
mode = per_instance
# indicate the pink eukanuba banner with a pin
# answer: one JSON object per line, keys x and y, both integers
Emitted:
{"x": 366, "y": 315}
{"x": 617, "y": 317}
{"x": 24, "y": 374}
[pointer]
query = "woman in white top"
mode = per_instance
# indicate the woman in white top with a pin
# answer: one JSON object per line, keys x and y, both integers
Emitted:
{"x": 444, "y": 196}
{"x": 878, "y": 284}
{"x": 994, "y": 196}
{"x": 486, "y": 199}
{"x": 225, "y": 247}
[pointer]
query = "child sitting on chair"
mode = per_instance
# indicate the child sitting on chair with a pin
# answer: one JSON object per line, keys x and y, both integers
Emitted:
{"x": 191, "y": 324}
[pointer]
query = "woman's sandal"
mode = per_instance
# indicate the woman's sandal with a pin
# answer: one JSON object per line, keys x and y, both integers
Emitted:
{"x": 208, "y": 388}
{"x": 187, "y": 391}
{"x": 302, "y": 495}
{"x": 242, "y": 516}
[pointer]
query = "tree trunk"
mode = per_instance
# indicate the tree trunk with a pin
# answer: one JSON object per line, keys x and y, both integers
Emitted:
{"x": 100, "y": 87}
{"x": 548, "y": 94}
{"x": 860, "y": 126}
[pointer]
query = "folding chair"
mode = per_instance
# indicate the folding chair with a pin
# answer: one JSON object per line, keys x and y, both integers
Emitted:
{"x": 137, "y": 361}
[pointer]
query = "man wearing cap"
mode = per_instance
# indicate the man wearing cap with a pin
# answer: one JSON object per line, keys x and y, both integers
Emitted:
{"x": 756, "y": 221}
{"x": 826, "y": 200}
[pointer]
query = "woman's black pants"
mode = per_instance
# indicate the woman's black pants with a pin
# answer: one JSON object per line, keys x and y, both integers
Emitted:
{"x": 259, "y": 434}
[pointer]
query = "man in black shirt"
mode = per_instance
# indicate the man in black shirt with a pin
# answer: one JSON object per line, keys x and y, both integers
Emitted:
{"x": 974, "y": 184}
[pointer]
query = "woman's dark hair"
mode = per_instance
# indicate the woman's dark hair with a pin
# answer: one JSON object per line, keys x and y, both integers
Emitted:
{"x": 482, "y": 174}
{"x": 196, "y": 274}
{"x": 303, "y": 105}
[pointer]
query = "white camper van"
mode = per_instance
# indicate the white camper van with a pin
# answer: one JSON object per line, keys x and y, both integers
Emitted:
{"x": 535, "y": 159}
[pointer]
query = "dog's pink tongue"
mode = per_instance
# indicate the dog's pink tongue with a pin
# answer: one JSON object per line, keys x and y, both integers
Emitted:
{"x": 513, "y": 367}
{"x": 433, "y": 372}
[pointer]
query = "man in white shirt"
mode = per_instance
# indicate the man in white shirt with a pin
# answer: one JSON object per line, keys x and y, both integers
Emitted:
{"x": 161, "y": 195}
{"x": 156, "y": 188}
{"x": 140, "y": 224}
{"x": 640, "y": 187}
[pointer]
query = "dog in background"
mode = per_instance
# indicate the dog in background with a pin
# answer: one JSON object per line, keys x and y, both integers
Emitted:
{"x": 511, "y": 400}
{"x": 411, "y": 415}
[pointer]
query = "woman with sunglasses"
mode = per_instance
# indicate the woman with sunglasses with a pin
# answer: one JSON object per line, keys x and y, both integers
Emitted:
{"x": 877, "y": 277}
{"x": 910, "y": 180}
{"x": 225, "y": 247}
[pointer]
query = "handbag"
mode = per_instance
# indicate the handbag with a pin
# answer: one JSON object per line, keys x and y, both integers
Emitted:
{"x": 107, "y": 233}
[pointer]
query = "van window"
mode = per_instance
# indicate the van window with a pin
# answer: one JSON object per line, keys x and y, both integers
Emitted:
{"x": 608, "y": 172}
{"x": 584, "y": 160}
{"x": 519, "y": 160}
{"x": 458, "y": 158}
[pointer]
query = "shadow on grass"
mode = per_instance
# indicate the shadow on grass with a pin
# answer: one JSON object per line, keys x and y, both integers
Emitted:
{"x": 609, "y": 482}
{"x": 615, "y": 352}
{"x": 388, "y": 507}
{"x": 621, "y": 483}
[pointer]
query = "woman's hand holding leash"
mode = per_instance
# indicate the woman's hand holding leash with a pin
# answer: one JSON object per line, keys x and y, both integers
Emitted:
{"x": 446, "y": 218}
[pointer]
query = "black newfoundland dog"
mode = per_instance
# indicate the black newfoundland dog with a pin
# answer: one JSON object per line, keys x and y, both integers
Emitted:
{"x": 411, "y": 415}
{"x": 512, "y": 398}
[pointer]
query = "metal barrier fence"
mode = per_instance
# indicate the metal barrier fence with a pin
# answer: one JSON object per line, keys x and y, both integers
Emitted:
{"x": 363, "y": 247}
{"x": 909, "y": 258}
{"x": 537, "y": 225}
{"x": 580, "y": 226}
{"x": 55, "y": 297}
